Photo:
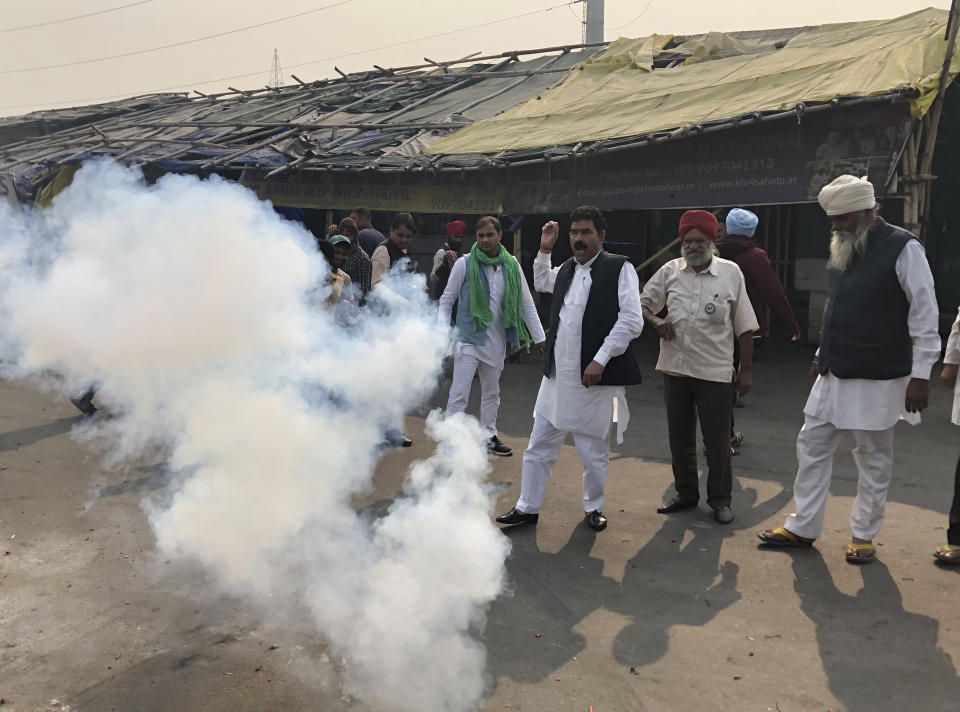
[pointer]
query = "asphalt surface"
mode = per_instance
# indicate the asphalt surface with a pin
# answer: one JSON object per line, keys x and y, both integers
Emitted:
{"x": 655, "y": 613}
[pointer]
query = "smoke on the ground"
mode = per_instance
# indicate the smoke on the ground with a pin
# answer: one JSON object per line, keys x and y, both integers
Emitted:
{"x": 197, "y": 313}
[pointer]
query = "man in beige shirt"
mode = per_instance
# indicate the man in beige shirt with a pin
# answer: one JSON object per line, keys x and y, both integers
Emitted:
{"x": 707, "y": 310}
{"x": 394, "y": 248}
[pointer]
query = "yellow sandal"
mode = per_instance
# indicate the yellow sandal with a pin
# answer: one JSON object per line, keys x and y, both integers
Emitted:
{"x": 860, "y": 553}
{"x": 949, "y": 554}
{"x": 782, "y": 537}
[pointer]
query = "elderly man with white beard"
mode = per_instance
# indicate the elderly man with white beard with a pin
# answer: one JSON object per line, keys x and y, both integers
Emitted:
{"x": 707, "y": 310}
{"x": 878, "y": 343}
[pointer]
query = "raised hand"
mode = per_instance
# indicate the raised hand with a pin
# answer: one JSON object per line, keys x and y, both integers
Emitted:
{"x": 548, "y": 236}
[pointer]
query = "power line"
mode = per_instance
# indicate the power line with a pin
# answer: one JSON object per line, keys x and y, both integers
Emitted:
{"x": 173, "y": 44}
{"x": 189, "y": 85}
{"x": 75, "y": 17}
{"x": 620, "y": 27}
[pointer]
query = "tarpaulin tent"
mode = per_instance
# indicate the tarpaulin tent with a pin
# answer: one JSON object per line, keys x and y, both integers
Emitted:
{"x": 619, "y": 92}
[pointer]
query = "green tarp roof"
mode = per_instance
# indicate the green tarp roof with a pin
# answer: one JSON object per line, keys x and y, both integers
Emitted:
{"x": 618, "y": 93}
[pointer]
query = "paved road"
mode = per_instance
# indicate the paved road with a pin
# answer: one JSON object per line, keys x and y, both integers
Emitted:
{"x": 652, "y": 614}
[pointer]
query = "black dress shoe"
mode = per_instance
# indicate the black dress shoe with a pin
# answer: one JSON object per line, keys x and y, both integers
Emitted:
{"x": 515, "y": 517}
{"x": 596, "y": 520}
{"x": 85, "y": 403}
{"x": 675, "y": 505}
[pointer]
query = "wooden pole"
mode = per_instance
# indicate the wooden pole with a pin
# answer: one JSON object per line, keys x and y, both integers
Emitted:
{"x": 655, "y": 255}
{"x": 930, "y": 144}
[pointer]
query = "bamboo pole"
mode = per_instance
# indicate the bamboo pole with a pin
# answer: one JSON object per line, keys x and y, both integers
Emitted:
{"x": 659, "y": 252}
{"x": 936, "y": 109}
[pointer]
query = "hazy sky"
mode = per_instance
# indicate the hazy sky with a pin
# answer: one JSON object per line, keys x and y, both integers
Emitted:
{"x": 351, "y": 34}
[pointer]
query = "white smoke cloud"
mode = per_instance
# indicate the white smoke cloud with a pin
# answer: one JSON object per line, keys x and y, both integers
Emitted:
{"x": 191, "y": 306}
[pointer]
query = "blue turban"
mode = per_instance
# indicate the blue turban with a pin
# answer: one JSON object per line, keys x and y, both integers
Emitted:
{"x": 741, "y": 222}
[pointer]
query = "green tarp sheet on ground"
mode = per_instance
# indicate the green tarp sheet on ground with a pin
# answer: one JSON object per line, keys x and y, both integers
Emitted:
{"x": 617, "y": 93}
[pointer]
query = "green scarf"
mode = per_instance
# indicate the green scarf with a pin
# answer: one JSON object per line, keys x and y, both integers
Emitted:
{"x": 512, "y": 297}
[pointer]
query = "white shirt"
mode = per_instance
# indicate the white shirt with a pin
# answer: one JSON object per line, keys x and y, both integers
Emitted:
{"x": 953, "y": 356}
{"x": 870, "y": 404}
{"x": 494, "y": 349}
{"x": 708, "y": 310}
{"x": 563, "y": 400}
{"x": 379, "y": 265}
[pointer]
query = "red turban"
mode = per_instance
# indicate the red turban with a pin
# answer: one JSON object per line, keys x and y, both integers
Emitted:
{"x": 700, "y": 220}
{"x": 457, "y": 227}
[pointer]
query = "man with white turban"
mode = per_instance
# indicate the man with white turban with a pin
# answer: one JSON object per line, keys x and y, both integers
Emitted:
{"x": 878, "y": 343}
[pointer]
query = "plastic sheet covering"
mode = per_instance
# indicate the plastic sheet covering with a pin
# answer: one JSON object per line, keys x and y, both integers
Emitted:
{"x": 618, "y": 93}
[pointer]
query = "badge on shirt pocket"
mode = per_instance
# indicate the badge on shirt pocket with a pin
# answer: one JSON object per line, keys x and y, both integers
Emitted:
{"x": 710, "y": 307}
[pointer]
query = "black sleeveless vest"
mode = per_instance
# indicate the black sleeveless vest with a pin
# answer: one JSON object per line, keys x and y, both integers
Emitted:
{"x": 865, "y": 332}
{"x": 396, "y": 253}
{"x": 599, "y": 316}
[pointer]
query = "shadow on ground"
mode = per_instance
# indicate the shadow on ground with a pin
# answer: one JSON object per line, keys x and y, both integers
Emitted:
{"x": 35, "y": 433}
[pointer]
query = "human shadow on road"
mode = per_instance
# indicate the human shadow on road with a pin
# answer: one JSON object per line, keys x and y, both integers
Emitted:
{"x": 550, "y": 594}
{"x": 877, "y": 656}
{"x": 677, "y": 578}
{"x": 35, "y": 433}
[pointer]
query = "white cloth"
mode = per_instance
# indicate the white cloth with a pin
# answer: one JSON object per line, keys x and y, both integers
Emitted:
{"x": 953, "y": 356}
{"x": 816, "y": 445}
{"x": 866, "y": 404}
{"x": 494, "y": 348}
{"x": 464, "y": 368}
{"x": 380, "y": 265}
{"x": 708, "y": 310}
{"x": 563, "y": 400}
{"x": 546, "y": 442}
{"x": 846, "y": 194}
{"x": 438, "y": 259}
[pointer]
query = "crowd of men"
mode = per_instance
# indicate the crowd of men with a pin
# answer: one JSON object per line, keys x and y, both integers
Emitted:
{"x": 878, "y": 344}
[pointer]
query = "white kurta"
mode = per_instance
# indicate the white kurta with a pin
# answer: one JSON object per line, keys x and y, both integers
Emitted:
{"x": 866, "y": 404}
{"x": 494, "y": 349}
{"x": 953, "y": 356}
{"x": 563, "y": 400}
{"x": 485, "y": 359}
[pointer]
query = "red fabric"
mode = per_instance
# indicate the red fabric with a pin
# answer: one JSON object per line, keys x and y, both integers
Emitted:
{"x": 700, "y": 220}
{"x": 457, "y": 227}
{"x": 763, "y": 286}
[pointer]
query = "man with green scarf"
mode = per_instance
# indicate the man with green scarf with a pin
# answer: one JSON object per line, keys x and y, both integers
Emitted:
{"x": 495, "y": 307}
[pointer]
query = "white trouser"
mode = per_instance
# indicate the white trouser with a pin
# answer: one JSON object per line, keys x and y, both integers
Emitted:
{"x": 816, "y": 444}
{"x": 464, "y": 366}
{"x": 541, "y": 454}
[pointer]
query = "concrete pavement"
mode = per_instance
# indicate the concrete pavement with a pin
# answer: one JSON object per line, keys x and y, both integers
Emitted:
{"x": 655, "y": 613}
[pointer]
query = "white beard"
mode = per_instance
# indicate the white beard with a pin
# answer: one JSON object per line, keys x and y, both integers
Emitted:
{"x": 697, "y": 258}
{"x": 846, "y": 246}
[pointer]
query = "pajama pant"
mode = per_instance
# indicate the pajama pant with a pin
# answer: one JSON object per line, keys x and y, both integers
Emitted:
{"x": 464, "y": 367}
{"x": 542, "y": 452}
{"x": 816, "y": 444}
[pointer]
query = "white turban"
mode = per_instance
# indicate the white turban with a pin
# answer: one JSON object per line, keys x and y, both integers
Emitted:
{"x": 847, "y": 194}
{"x": 741, "y": 222}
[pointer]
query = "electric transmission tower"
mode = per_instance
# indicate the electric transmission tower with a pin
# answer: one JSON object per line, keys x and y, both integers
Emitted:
{"x": 276, "y": 74}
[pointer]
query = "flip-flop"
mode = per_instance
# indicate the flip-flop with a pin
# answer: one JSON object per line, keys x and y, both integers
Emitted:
{"x": 782, "y": 537}
{"x": 854, "y": 555}
{"x": 949, "y": 554}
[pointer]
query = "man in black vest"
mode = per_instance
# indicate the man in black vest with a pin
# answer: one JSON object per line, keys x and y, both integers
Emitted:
{"x": 594, "y": 315}
{"x": 394, "y": 248}
{"x": 878, "y": 343}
